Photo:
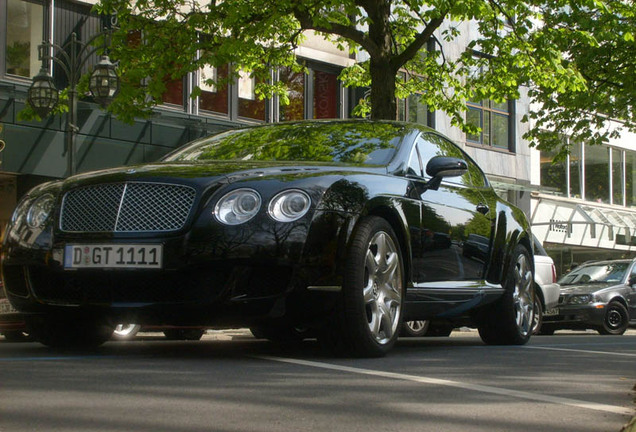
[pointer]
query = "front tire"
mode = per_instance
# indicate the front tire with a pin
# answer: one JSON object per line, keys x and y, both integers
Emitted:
{"x": 616, "y": 319}
{"x": 368, "y": 319}
{"x": 508, "y": 321}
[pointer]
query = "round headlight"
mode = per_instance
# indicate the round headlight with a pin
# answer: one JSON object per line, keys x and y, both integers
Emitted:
{"x": 40, "y": 210}
{"x": 237, "y": 206}
{"x": 289, "y": 205}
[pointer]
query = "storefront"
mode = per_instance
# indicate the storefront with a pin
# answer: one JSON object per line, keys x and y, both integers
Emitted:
{"x": 574, "y": 231}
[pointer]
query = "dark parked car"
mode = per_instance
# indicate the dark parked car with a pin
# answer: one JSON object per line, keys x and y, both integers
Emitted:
{"x": 294, "y": 230}
{"x": 597, "y": 295}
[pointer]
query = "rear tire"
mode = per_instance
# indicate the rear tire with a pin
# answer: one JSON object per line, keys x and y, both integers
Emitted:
{"x": 414, "y": 328}
{"x": 368, "y": 318}
{"x": 126, "y": 331}
{"x": 508, "y": 321}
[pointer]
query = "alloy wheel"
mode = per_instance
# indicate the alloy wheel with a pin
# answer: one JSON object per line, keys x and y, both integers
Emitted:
{"x": 523, "y": 296}
{"x": 382, "y": 291}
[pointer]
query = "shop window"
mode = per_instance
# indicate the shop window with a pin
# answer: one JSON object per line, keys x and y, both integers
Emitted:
{"x": 553, "y": 174}
{"x": 249, "y": 106}
{"x": 325, "y": 101}
{"x": 597, "y": 174}
{"x": 295, "y": 82}
{"x": 617, "y": 176}
{"x": 214, "y": 93}
{"x": 493, "y": 118}
{"x": 575, "y": 170}
{"x": 630, "y": 178}
{"x": 25, "y": 23}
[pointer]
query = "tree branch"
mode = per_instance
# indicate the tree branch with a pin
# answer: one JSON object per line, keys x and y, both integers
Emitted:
{"x": 307, "y": 23}
{"x": 418, "y": 42}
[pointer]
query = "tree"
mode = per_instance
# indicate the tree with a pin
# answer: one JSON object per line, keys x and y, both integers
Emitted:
{"x": 597, "y": 39}
{"x": 398, "y": 35}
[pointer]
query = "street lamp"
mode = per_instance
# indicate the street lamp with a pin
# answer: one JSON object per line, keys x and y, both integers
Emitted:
{"x": 71, "y": 57}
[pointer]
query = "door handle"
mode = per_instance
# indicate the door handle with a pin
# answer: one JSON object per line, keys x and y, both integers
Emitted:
{"x": 483, "y": 208}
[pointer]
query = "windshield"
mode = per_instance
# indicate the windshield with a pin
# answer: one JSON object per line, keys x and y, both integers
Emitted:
{"x": 596, "y": 273}
{"x": 341, "y": 142}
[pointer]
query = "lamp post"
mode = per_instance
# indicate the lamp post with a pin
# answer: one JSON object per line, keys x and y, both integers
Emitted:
{"x": 71, "y": 57}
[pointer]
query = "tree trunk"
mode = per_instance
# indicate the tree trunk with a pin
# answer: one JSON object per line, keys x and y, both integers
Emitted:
{"x": 383, "y": 104}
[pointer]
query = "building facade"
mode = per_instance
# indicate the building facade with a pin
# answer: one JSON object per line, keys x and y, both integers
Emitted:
{"x": 584, "y": 208}
{"x": 34, "y": 152}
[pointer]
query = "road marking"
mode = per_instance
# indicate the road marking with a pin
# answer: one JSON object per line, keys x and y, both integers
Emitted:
{"x": 17, "y": 359}
{"x": 464, "y": 386}
{"x": 613, "y": 354}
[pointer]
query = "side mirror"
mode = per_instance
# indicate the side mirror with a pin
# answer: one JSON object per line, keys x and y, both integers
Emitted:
{"x": 441, "y": 167}
{"x": 632, "y": 280}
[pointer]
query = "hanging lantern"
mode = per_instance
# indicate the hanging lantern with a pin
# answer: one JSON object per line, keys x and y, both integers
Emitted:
{"x": 43, "y": 95}
{"x": 104, "y": 82}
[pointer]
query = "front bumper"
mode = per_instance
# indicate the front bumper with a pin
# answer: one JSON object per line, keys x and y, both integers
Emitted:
{"x": 577, "y": 316}
{"x": 209, "y": 275}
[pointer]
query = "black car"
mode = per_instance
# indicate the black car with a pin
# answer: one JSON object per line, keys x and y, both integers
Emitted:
{"x": 598, "y": 295}
{"x": 294, "y": 230}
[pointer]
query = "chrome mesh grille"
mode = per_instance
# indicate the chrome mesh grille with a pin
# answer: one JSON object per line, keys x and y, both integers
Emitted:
{"x": 127, "y": 207}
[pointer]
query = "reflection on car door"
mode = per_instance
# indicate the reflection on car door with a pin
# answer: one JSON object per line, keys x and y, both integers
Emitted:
{"x": 455, "y": 234}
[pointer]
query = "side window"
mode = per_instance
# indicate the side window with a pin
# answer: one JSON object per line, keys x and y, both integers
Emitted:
{"x": 435, "y": 145}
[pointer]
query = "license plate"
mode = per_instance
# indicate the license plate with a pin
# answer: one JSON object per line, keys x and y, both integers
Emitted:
{"x": 551, "y": 312}
{"x": 113, "y": 256}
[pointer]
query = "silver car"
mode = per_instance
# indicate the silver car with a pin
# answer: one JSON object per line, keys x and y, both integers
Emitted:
{"x": 545, "y": 278}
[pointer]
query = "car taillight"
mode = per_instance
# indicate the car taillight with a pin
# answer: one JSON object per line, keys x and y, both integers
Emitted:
{"x": 554, "y": 278}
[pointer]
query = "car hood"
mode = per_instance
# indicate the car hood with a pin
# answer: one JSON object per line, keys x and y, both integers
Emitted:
{"x": 212, "y": 171}
{"x": 586, "y": 288}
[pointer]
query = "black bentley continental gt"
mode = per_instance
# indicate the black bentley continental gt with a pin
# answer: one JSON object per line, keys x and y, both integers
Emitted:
{"x": 339, "y": 230}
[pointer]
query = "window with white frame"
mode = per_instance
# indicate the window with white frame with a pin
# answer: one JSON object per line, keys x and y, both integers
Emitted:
{"x": 25, "y": 24}
{"x": 493, "y": 118}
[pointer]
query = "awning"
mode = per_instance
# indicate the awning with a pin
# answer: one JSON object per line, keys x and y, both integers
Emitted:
{"x": 580, "y": 223}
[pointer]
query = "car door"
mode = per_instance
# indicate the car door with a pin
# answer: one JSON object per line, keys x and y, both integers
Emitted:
{"x": 455, "y": 232}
